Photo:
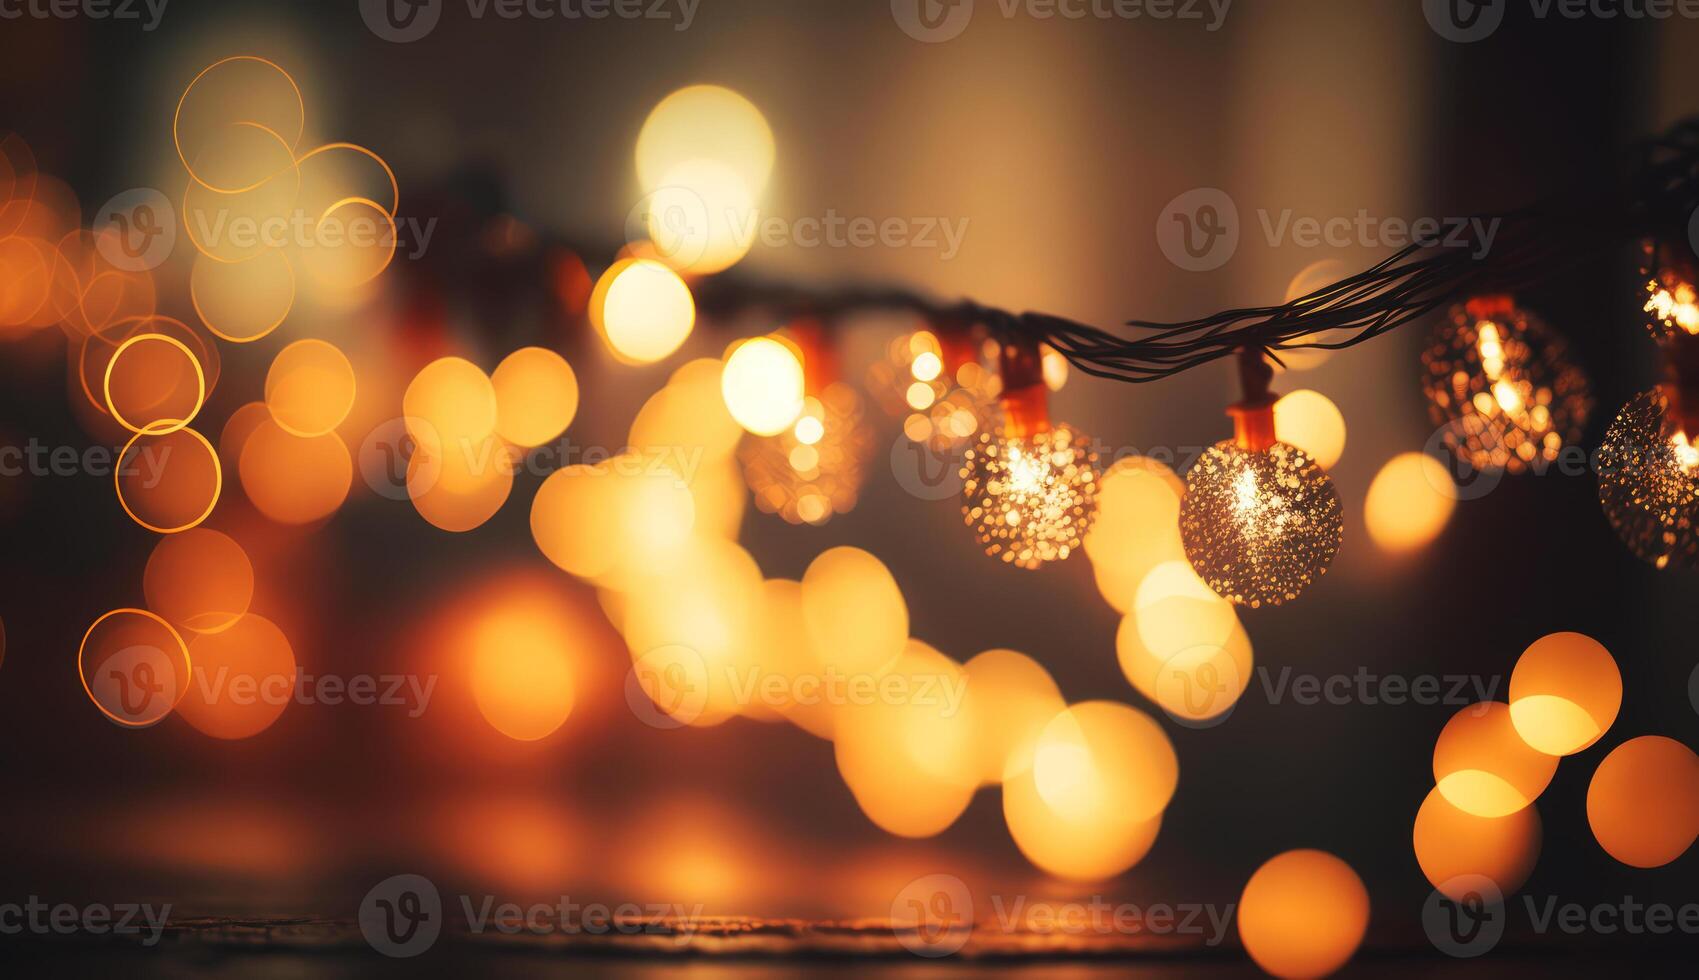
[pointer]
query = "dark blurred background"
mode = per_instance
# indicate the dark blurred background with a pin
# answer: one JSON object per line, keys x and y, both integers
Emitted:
{"x": 1059, "y": 142}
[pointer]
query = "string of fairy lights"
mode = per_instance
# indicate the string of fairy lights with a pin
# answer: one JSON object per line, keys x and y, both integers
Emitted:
{"x": 778, "y": 421}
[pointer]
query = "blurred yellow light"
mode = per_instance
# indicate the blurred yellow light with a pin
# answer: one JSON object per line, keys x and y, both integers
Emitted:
{"x": 1054, "y": 368}
{"x": 566, "y": 524}
{"x": 763, "y": 385}
{"x": 1309, "y": 420}
{"x": 920, "y": 396}
{"x": 521, "y": 668}
{"x": 294, "y": 480}
{"x": 536, "y": 396}
{"x": 705, "y": 122}
{"x": 1409, "y": 502}
{"x": 1484, "y": 768}
{"x": 1312, "y": 277}
{"x": 309, "y": 388}
{"x": 200, "y": 580}
{"x": 927, "y": 366}
{"x": 1456, "y": 850}
{"x": 1643, "y": 802}
{"x": 461, "y": 486}
{"x": 1564, "y": 693}
{"x": 1102, "y": 756}
{"x": 1303, "y": 914}
{"x": 1137, "y": 527}
{"x": 1010, "y": 698}
{"x": 908, "y": 755}
{"x": 1197, "y": 681}
{"x": 642, "y": 309}
{"x": 244, "y": 679}
{"x": 450, "y": 403}
{"x": 856, "y": 616}
{"x": 702, "y": 217}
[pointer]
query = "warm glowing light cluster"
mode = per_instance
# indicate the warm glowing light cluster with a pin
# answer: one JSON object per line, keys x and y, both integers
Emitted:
{"x": 815, "y": 467}
{"x": 1649, "y": 483}
{"x": 1500, "y": 384}
{"x": 1672, "y": 303}
{"x": 1030, "y": 499}
{"x": 1409, "y": 503}
{"x": 1643, "y": 802}
{"x": 941, "y": 391}
{"x": 1303, "y": 914}
{"x": 1090, "y": 803}
{"x": 703, "y": 159}
{"x": 1260, "y": 527}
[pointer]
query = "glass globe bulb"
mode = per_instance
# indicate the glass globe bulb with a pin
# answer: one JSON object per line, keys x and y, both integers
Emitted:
{"x": 1649, "y": 483}
{"x": 1501, "y": 387}
{"x": 1030, "y": 499}
{"x": 815, "y": 467}
{"x": 1260, "y": 527}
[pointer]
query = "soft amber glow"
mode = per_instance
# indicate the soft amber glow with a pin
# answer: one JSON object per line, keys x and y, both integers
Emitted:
{"x": 449, "y": 403}
{"x": 134, "y": 667}
{"x": 1674, "y": 305}
{"x": 1643, "y": 802}
{"x": 763, "y": 385}
{"x": 169, "y": 483}
{"x": 243, "y": 301}
{"x": 1137, "y": 527}
{"x": 1203, "y": 674}
{"x": 689, "y": 413}
{"x": 642, "y": 309}
{"x": 310, "y": 388}
{"x": 1409, "y": 502}
{"x": 154, "y": 384}
{"x": 1309, "y": 420}
{"x": 816, "y": 468}
{"x": 536, "y": 396}
{"x": 564, "y": 520}
{"x": 1303, "y": 914}
{"x": 294, "y": 480}
{"x": 244, "y": 679}
{"x": 200, "y": 580}
{"x": 462, "y": 485}
{"x": 705, "y": 122}
{"x": 702, "y": 217}
{"x": 1564, "y": 693}
{"x": 1010, "y": 698}
{"x": 521, "y": 665}
{"x": 909, "y": 759}
{"x": 856, "y": 616}
{"x": 1483, "y": 767}
{"x": 1456, "y": 849}
{"x": 1102, "y": 756}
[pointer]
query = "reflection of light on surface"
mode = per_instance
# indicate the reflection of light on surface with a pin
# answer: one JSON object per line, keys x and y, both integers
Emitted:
{"x": 522, "y": 843}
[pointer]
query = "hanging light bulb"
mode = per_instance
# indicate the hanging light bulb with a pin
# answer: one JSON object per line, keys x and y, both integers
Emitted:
{"x": 1649, "y": 464}
{"x": 1672, "y": 302}
{"x": 933, "y": 380}
{"x": 1502, "y": 388}
{"x": 1029, "y": 487}
{"x": 815, "y": 467}
{"x": 1260, "y": 520}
